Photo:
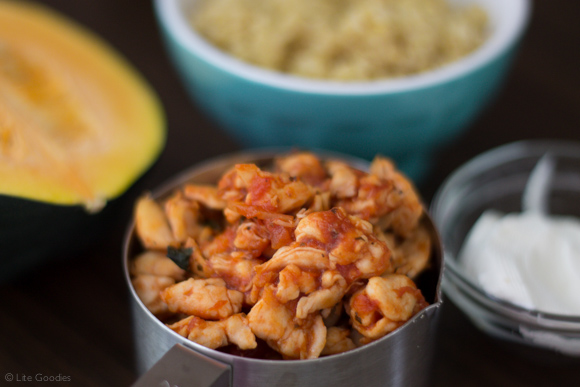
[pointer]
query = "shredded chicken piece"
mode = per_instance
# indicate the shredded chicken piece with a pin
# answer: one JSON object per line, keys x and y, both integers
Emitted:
{"x": 198, "y": 264}
{"x": 252, "y": 236}
{"x": 404, "y": 199}
{"x": 304, "y": 166}
{"x": 383, "y": 305}
{"x": 384, "y": 196}
{"x": 235, "y": 269}
{"x": 215, "y": 334}
{"x": 344, "y": 179}
{"x": 410, "y": 255}
{"x": 148, "y": 288}
{"x": 349, "y": 241}
{"x": 182, "y": 216}
{"x": 205, "y": 298}
{"x": 321, "y": 202}
{"x": 274, "y": 322}
{"x": 206, "y": 195}
{"x": 372, "y": 199}
{"x": 293, "y": 281}
{"x": 337, "y": 341}
{"x": 301, "y": 271}
{"x": 299, "y": 268}
{"x": 221, "y": 243}
{"x": 333, "y": 286}
{"x": 156, "y": 263}
{"x": 151, "y": 225}
{"x": 254, "y": 193}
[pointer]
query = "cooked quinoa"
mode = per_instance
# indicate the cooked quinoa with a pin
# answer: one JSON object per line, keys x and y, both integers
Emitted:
{"x": 342, "y": 39}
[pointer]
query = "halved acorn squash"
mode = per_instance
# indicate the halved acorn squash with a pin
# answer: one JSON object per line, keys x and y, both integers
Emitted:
{"x": 78, "y": 126}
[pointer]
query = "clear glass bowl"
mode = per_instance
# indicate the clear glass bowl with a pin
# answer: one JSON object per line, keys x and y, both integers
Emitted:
{"x": 496, "y": 180}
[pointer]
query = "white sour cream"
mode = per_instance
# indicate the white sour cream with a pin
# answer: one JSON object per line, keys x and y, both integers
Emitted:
{"x": 528, "y": 258}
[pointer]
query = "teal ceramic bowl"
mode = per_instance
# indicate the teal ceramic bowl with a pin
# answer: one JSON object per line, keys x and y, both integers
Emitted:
{"x": 407, "y": 119}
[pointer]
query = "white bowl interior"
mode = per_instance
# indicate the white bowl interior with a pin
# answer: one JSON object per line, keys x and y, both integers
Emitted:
{"x": 508, "y": 19}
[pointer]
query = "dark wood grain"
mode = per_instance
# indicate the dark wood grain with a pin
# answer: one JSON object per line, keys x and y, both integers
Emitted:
{"x": 71, "y": 317}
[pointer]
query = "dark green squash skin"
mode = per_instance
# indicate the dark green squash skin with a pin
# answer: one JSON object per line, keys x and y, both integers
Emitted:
{"x": 33, "y": 233}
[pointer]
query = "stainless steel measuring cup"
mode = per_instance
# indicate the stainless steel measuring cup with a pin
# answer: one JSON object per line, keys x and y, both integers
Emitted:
{"x": 164, "y": 358}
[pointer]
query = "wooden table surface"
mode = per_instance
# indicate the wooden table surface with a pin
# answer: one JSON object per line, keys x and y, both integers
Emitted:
{"x": 70, "y": 317}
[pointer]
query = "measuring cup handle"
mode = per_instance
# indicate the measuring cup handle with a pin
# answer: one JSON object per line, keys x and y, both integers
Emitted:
{"x": 182, "y": 367}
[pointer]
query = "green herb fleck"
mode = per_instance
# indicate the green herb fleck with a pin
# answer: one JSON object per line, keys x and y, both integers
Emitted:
{"x": 180, "y": 256}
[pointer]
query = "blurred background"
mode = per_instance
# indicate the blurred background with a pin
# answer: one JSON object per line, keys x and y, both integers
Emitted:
{"x": 71, "y": 316}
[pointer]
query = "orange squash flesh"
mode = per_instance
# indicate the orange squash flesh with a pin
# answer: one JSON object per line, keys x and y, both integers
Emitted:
{"x": 78, "y": 125}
